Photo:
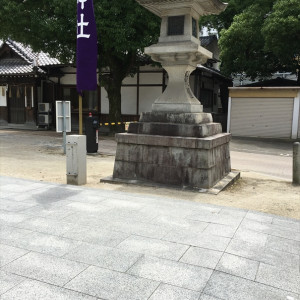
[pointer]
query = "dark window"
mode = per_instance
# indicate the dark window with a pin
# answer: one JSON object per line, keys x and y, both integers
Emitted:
{"x": 194, "y": 27}
{"x": 176, "y": 25}
{"x": 206, "y": 99}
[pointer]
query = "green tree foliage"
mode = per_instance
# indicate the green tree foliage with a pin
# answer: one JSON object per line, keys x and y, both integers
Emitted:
{"x": 281, "y": 31}
{"x": 124, "y": 29}
{"x": 225, "y": 18}
{"x": 258, "y": 37}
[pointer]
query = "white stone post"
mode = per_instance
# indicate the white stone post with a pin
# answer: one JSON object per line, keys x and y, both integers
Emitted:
{"x": 76, "y": 159}
{"x": 296, "y": 116}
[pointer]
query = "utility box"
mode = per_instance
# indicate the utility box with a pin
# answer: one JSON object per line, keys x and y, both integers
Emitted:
{"x": 91, "y": 131}
{"x": 76, "y": 159}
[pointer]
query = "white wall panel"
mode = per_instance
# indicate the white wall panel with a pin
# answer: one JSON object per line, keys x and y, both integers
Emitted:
{"x": 151, "y": 78}
{"x": 130, "y": 80}
{"x": 150, "y": 68}
{"x": 147, "y": 97}
{"x": 104, "y": 102}
{"x": 3, "y": 101}
{"x": 129, "y": 100}
{"x": 299, "y": 125}
{"x": 68, "y": 79}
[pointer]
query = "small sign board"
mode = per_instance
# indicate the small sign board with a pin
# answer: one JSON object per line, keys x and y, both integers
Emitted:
{"x": 63, "y": 116}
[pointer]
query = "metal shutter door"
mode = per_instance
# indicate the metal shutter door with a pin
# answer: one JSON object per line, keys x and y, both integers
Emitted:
{"x": 299, "y": 125}
{"x": 262, "y": 117}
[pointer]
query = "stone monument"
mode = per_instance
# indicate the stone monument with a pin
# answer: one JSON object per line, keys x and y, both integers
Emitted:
{"x": 176, "y": 143}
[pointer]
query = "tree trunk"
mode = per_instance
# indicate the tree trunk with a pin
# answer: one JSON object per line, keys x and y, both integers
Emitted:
{"x": 112, "y": 82}
{"x": 114, "y": 96}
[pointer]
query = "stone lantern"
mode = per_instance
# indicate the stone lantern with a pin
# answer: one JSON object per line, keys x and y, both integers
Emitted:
{"x": 176, "y": 143}
{"x": 179, "y": 50}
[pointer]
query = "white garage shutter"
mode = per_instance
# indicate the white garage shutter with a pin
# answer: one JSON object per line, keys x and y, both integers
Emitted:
{"x": 299, "y": 125}
{"x": 262, "y": 117}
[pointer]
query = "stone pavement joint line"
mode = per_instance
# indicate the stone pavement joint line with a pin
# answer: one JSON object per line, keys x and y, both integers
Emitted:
{"x": 69, "y": 242}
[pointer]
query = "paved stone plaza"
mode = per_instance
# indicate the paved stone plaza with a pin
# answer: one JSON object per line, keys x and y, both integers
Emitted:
{"x": 66, "y": 242}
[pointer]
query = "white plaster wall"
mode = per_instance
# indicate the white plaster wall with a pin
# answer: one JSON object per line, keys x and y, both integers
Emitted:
{"x": 54, "y": 79}
{"x": 104, "y": 102}
{"x": 147, "y": 97}
{"x": 129, "y": 100}
{"x": 149, "y": 68}
{"x": 3, "y": 100}
{"x": 151, "y": 78}
{"x": 68, "y": 79}
{"x": 130, "y": 80}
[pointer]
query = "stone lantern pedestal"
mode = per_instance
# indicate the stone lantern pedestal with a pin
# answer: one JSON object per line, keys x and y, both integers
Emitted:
{"x": 176, "y": 143}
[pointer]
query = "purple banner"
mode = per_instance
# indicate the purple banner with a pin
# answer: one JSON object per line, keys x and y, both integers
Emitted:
{"x": 86, "y": 46}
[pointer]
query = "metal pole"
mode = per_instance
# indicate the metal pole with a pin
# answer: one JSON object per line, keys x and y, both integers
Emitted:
{"x": 80, "y": 114}
{"x": 64, "y": 126}
{"x": 296, "y": 163}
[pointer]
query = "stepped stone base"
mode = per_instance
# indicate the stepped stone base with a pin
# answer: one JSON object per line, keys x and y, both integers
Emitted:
{"x": 180, "y": 149}
{"x": 181, "y": 161}
{"x": 187, "y": 130}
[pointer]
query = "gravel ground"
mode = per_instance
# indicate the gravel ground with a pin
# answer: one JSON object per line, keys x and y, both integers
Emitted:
{"x": 38, "y": 155}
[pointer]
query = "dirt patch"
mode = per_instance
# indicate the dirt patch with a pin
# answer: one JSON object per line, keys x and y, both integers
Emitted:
{"x": 39, "y": 156}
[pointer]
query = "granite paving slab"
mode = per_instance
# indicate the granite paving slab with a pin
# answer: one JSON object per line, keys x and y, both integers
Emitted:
{"x": 70, "y": 242}
{"x": 202, "y": 257}
{"x": 46, "y": 243}
{"x": 279, "y": 277}
{"x": 263, "y": 254}
{"x": 106, "y": 257}
{"x": 96, "y": 235}
{"x": 238, "y": 266}
{"x": 169, "y": 292}
{"x": 283, "y": 244}
{"x": 202, "y": 240}
{"x": 46, "y": 225}
{"x": 14, "y": 206}
{"x": 8, "y": 281}
{"x": 154, "y": 247}
{"x": 207, "y": 297}
{"x": 10, "y": 218}
{"x": 45, "y": 268}
{"x": 174, "y": 273}
{"x": 225, "y": 286}
{"x": 112, "y": 285}
{"x": 9, "y": 254}
{"x": 36, "y": 290}
{"x": 220, "y": 230}
{"x": 10, "y": 234}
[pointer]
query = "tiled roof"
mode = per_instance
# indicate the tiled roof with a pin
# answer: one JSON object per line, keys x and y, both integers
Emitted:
{"x": 213, "y": 70}
{"x": 28, "y": 63}
{"x": 15, "y": 66}
{"x": 206, "y": 40}
{"x": 41, "y": 58}
{"x": 273, "y": 83}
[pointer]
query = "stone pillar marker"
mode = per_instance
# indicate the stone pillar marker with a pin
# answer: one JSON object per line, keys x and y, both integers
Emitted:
{"x": 176, "y": 143}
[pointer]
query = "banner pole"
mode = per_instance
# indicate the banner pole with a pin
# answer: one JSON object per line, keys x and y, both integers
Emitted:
{"x": 64, "y": 126}
{"x": 80, "y": 114}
